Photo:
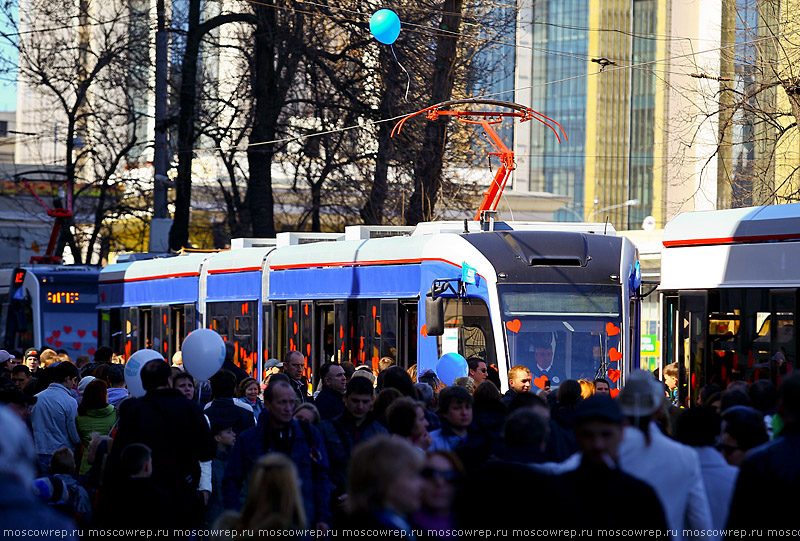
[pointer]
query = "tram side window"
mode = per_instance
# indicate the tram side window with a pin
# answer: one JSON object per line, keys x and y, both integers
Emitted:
{"x": 750, "y": 336}
{"x": 145, "y": 328}
{"x": 468, "y": 329}
{"x": 131, "y": 329}
{"x": 244, "y": 338}
{"x": 19, "y": 324}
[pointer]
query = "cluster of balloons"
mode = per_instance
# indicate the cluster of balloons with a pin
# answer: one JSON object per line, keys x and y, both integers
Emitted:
{"x": 385, "y": 26}
{"x": 203, "y": 354}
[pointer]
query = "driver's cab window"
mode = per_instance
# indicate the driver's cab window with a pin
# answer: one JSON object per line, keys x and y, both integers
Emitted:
{"x": 467, "y": 329}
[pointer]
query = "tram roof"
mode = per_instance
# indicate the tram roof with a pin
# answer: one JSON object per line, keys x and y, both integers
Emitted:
{"x": 239, "y": 260}
{"x": 165, "y": 267}
{"x": 370, "y": 251}
{"x": 71, "y": 271}
{"x": 771, "y": 223}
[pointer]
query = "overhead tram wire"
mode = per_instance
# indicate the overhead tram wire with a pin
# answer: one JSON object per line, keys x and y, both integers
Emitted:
{"x": 503, "y": 92}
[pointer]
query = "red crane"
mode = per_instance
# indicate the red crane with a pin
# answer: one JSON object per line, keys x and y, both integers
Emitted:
{"x": 60, "y": 214}
{"x": 485, "y": 119}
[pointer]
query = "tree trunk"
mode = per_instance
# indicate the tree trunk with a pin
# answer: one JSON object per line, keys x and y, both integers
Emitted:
{"x": 179, "y": 232}
{"x": 259, "y": 197}
{"x": 428, "y": 165}
{"x": 373, "y": 210}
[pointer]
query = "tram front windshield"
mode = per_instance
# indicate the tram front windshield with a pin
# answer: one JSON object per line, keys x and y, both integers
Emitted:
{"x": 563, "y": 331}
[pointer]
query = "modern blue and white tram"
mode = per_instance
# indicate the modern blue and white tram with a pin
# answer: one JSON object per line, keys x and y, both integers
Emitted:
{"x": 362, "y": 295}
{"x": 51, "y": 306}
{"x": 729, "y": 291}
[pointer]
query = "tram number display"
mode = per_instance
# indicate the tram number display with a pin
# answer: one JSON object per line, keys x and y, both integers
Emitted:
{"x": 63, "y": 297}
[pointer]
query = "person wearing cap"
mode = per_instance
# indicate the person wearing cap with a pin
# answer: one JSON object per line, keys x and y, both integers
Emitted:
{"x": 31, "y": 359}
{"x": 5, "y": 368}
{"x": 53, "y": 415}
{"x": 272, "y": 366}
{"x": 670, "y": 468}
{"x": 598, "y": 431}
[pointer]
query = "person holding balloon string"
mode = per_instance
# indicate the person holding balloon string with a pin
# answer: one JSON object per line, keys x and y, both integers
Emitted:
{"x": 172, "y": 426}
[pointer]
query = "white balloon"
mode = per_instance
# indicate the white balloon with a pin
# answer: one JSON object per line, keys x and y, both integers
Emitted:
{"x": 133, "y": 370}
{"x": 203, "y": 353}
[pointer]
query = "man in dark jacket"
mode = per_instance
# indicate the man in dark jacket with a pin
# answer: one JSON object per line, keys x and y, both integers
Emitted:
{"x": 277, "y": 431}
{"x": 772, "y": 471}
{"x": 223, "y": 410}
{"x": 228, "y": 364}
{"x": 101, "y": 356}
{"x": 174, "y": 428}
{"x": 519, "y": 381}
{"x": 329, "y": 400}
{"x": 341, "y": 434}
{"x": 293, "y": 366}
{"x": 599, "y": 430}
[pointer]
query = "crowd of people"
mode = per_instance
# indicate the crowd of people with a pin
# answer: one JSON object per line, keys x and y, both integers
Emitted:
{"x": 393, "y": 451}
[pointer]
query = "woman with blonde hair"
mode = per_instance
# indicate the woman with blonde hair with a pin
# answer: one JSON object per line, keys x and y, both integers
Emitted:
{"x": 307, "y": 412}
{"x": 587, "y": 388}
{"x": 273, "y": 498}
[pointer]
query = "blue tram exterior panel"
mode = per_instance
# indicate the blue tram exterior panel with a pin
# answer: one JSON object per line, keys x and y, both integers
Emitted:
{"x": 232, "y": 286}
{"x": 408, "y": 281}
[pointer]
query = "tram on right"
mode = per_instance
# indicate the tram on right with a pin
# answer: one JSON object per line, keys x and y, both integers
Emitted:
{"x": 729, "y": 296}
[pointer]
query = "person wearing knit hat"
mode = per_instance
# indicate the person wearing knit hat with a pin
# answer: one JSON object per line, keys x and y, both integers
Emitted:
{"x": 670, "y": 468}
{"x": 19, "y": 507}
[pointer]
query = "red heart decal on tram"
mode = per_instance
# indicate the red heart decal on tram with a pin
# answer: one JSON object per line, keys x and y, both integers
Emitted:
{"x": 94, "y": 333}
{"x": 91, "y": 351}
{"x": 614, "y": 375}
{"x": 56, "y": 333}
{"x": 76, "y": 345}
{"x": 611, "y": 329}
{"x": 540, "y": 381}
{"x": 514, "y": 325}
{"x": 424, "y": 330}
{"x": 49, "y": 339}
{"x": 614, "y": 355}
{"x": 614, "y": 393}
{"x": 82, "y": 333}
{"x": 59, "y": 343}
{"x": 67, "y": 329}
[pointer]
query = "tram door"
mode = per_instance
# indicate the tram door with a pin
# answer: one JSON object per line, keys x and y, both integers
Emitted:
{"x": 692, "y": 322}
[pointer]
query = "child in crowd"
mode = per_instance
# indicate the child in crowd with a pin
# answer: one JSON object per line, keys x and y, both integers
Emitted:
{"x": 62, "y": 490}
{"x": 225, "y": 438}
{"x": 455, "y": 409}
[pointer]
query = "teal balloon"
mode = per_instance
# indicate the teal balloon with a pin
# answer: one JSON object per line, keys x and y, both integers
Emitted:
{"x": 385, "y": 26}
{"x": 450, "y": 367}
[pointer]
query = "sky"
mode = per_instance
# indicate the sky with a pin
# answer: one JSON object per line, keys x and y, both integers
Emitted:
{"x": 8, "y": 85}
